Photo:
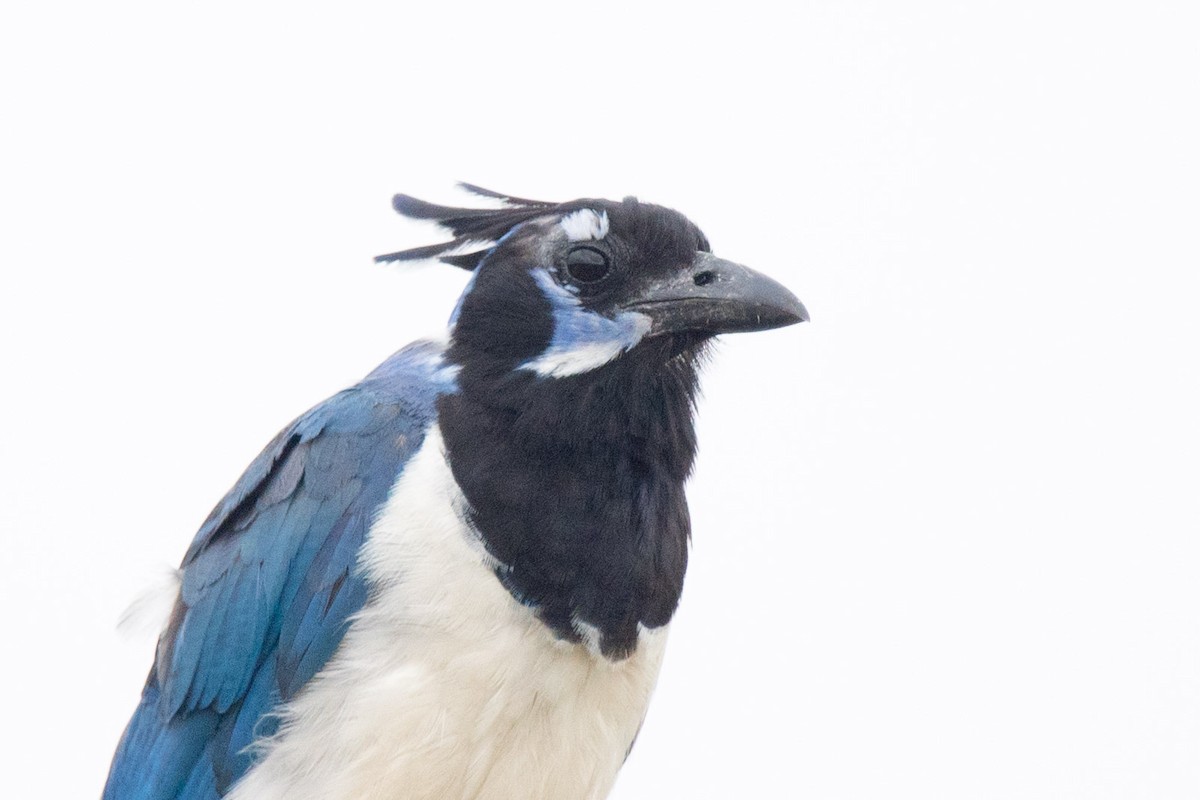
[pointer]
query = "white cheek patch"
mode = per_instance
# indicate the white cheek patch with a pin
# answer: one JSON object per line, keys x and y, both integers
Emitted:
{"x": 583, "y": 339}
{"x": 558, "y": 362}
{"x": 585, "y": 225}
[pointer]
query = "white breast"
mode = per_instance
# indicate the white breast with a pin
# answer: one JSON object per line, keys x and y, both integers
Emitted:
{"x": 445, "y": 687}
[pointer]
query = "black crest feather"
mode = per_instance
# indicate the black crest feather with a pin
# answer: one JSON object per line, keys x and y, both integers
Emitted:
{"x": 469, "y": 226}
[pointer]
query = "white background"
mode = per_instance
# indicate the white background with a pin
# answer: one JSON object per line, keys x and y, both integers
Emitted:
{"x": 945, "y": 536}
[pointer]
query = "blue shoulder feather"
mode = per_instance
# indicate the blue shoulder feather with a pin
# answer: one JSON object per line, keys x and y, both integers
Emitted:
{"x": 270, "y": 582}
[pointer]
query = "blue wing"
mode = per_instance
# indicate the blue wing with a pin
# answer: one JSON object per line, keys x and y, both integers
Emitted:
{"x": 270, "y": 582}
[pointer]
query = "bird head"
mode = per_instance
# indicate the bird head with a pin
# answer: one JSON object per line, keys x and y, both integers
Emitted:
{"x": 564, "y": 289}
{"x": 570, "y": 430}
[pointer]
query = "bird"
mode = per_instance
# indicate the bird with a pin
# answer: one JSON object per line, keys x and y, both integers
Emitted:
{"x": 455, "y": 578}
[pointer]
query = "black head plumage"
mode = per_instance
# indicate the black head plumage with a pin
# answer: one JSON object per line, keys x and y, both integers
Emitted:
{"x": 480, "y": 227}
{"x": 570, "y": 434}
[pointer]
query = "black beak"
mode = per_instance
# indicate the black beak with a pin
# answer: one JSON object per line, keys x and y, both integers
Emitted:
{"x": 718, "y": 296}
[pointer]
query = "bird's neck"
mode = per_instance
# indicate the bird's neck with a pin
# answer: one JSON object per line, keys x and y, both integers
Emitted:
{"x": 575, "y": 486}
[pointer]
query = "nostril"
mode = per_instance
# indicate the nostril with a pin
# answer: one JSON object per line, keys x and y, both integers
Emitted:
{"x": 704, "y": 278}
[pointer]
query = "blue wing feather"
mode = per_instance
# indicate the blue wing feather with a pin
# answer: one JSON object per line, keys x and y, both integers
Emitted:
{"x": 270, "y": 583}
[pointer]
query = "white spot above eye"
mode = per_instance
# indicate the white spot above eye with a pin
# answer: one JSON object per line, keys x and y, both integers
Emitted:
{"x": 585, "y": 225}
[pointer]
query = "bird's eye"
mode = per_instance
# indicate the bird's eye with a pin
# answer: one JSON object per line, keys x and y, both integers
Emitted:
{"x": 587, "y": 264}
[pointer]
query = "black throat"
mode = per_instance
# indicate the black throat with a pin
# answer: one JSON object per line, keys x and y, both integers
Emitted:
{"x": 575, "y": 484}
